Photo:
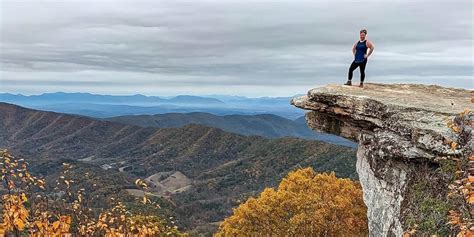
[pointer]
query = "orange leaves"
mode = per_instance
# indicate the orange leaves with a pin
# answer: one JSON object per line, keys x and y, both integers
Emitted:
{"x": 455, "y": 219}
{"x": 291, "y": 210}
{"x": 118, "y": 221}
{"x": 141, "y": 183}
{"x": 56, "y": 225}
{"x": 15, "y": 215}
{"x": 462, "y": 188}
{"x": 471, "y": 198}
{"x": 44, "y": 227}
{"x": 450, "y": 124}
{"x": 41, "y": 221}
{"x": 468, "y": 189}
{"x": 465, "y": 112}
{"x": 62, "y": 225}
{"x": 15, "y": 174}
{"x": 145, "y": 200}
{"x": 20, "y": 224}
{"x": 23, "y": 197}
{"x": 465, "y": 233}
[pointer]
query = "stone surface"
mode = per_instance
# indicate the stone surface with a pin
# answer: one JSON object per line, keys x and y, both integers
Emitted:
{"x": 397, "y": 126}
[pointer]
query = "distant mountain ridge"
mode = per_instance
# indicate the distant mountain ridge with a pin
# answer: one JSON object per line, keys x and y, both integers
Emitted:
{"x": 266, "y": 125}
{"x": 102, "y": 106}
{"x": 62, "y": 97}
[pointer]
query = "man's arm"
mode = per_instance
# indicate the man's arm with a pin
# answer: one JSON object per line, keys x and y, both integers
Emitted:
{"x": 371, "y": 48}
{"x": 354, "y": 48}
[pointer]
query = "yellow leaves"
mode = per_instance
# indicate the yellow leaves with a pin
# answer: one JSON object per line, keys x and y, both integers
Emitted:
{"x": 465, "y": 112}
{"x": 15, "y": 215}
{"x": 23, "y": 197}
{"x": 141, "y": 183}
{"x": 470, "y": 200}
{"x": 20, "y": 225}
{"x": 38, "y": 224}
{"x": 465, "y": 120}
{"x": 455, "y": 219}
{"x": 42, "y": 226}
{"x": 292, "y": 208}
{"x": 466, "y": 233}
{"x": 409, "y": 233}
{"x": 56, "y": 225}
{"x": 462, "y": 188}
{"x": 41, "y": 183}
{"x": 2, "y": 229}
{"x": 117, "y": 221}
{"x": 454, "y": 145}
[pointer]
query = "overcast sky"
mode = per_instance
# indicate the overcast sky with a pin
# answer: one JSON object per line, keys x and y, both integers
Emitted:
{"x": 251, "y": 48}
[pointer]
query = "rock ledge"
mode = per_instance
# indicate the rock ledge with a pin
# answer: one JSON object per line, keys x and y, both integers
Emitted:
{"x": 398, "y": 128}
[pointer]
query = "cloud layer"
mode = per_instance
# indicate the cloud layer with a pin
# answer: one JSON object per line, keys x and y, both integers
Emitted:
{"x": 228, "y": 47}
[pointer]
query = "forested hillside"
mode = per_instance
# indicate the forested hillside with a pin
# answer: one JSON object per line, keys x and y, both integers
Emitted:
{"x": 223, "y": 168}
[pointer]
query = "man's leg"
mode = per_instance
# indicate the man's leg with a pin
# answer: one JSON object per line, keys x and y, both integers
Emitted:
{"x": 350, "y": 74}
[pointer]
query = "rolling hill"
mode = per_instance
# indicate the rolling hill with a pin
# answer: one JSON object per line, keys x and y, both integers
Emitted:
{"x": 265, "y": 125}
{"x": 223, "y": 168}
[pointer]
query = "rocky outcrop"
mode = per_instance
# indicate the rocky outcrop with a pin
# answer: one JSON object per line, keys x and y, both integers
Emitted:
{"x": 401, "y": 130}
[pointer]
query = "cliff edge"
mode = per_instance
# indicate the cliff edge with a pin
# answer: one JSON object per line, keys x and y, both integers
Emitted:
{"x": 402, "y": 136}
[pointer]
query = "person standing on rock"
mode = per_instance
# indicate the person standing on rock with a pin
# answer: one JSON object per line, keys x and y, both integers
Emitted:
{"x": 360, "y": 57}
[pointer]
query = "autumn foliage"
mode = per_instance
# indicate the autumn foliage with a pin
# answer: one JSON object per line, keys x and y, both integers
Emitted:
{"x": 28, "y": 210}
{"x": 461, "y": 218}
{"x": 305, "y": 204}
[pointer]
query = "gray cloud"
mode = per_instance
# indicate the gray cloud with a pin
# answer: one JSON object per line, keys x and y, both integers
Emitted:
{"x": 228, "y": 47}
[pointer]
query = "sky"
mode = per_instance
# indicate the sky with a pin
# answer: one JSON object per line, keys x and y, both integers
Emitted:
{"x": 248, "y": 48}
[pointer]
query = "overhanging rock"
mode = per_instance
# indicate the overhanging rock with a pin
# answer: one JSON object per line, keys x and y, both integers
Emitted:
{"x": 399, "y": 128}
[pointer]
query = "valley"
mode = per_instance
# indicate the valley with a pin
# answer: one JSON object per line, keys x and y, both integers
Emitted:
{"x": 201, "y": 172}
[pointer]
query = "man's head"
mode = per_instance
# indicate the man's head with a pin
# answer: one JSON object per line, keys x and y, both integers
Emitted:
{"x": 363, "y": 33}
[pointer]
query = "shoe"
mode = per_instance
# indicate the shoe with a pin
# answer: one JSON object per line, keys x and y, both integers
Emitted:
{"x": 361, "y": 85}
{"x": 348, "y": 83}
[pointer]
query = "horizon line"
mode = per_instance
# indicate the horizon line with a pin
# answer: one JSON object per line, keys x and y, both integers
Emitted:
{"x": 139, "y": 94}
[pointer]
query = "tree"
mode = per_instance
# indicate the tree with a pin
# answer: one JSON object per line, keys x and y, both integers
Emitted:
{"x": 25, "y": 212}
{"x": 305, "y": 204}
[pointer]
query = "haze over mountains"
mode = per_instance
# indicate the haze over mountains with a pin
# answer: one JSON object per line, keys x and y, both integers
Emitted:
{"x": 222, "y": 168}
{"x": 103, "y": 106}
{"x": 268, "y": 117}
{"x": 266, "y": 125}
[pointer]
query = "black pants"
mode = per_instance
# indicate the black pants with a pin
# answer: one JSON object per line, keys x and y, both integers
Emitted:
{"x": 353, "y": 67}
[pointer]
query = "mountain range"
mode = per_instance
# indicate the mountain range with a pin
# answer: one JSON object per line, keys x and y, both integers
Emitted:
{"x": 222, "y": 169}
{"x": 103, "y": 106}
{"x": 265, "y": 125}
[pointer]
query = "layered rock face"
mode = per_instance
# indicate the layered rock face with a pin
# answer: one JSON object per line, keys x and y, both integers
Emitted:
{"x": 401, "y": 131}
